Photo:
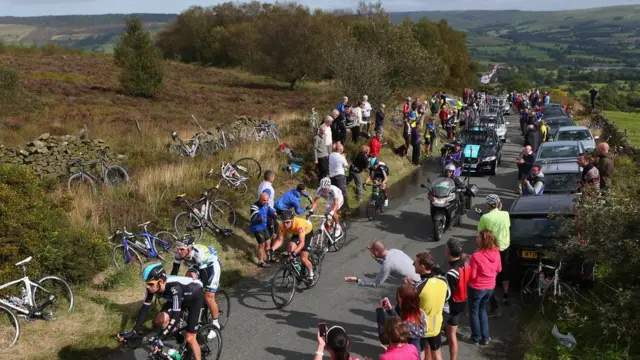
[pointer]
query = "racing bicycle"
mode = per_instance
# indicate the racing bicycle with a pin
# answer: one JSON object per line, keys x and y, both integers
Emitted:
{"x": 217, "y": 215}
{"x": 134, "y": 252}
{"x": 231, "y": 177}
{"x": 187, "y": 147}
{"x": 328, "y": 237}
{"x": 376, "y": 202}
{"x": 291, "y": 275}
{"x": 40, "y": 300}
{"x": 112, "y": 175}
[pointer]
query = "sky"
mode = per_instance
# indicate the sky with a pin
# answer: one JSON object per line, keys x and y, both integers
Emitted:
{"x": 86, "y": 7}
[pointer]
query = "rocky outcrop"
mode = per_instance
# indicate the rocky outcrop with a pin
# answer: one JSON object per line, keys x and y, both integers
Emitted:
{"x": 49, "y": 156}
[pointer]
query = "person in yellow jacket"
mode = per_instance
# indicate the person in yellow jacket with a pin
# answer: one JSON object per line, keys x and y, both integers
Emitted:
{"x": 459, "y": 108}
{"x": 544, "y": 130}
{"x": 434, "y": 293}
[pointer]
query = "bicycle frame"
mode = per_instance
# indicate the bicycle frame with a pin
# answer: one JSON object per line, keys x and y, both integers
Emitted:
{"x": 323, "y": 228}
{"x": 28, "y": 285}
{"x": 191, "y": 150}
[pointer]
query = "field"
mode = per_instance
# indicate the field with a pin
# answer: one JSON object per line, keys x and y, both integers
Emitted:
{"x": 629, "y": 122}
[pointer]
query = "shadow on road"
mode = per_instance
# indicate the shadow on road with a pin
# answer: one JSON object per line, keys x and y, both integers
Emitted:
{"x": 254, "y": 294}
{"x": 397, "y": 224}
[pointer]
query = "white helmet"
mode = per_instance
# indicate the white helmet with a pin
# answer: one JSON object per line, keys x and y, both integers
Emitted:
{"x": 325, "y": 183}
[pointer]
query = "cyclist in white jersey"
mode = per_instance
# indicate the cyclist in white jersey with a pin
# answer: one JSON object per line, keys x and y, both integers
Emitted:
{"x": 204, "y": 263}
{"x": 335, "y": 200}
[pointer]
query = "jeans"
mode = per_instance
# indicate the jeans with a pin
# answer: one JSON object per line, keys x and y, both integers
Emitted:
{"x": 478, "y": 313}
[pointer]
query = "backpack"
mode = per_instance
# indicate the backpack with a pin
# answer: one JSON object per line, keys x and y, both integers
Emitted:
{"x": 463, "y": 274}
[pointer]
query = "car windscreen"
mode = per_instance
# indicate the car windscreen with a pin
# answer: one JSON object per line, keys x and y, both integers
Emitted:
{"x": 565, "y": 151}
{"x": 574, "y": 135}
{"x": 556, "y": 123}
{"x": 476, "y": 138}
{"x": 553, "y": 111}
{"x": 537, "y": 230}
{"x": 561, "y": 183}
{"x": 491, "y": 120}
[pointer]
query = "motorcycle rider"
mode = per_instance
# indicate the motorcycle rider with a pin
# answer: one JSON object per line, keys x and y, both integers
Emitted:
{"x": 457, "y": 157}
{"x": 534, "y": 183}
{"x": 449, "y": 171}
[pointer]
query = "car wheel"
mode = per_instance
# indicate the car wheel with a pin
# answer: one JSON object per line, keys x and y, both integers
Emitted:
{"x": 493, "y": 168}
{"x": 500, "y": 160}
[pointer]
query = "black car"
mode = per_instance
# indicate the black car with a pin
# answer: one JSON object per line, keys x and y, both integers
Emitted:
{"x": 550, "y": 111}
{"x": 482, "y": 149}
{"x": 555, "y": 123}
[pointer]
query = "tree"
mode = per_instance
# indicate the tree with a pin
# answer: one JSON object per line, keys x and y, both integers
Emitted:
{"x": 140, "y": 62}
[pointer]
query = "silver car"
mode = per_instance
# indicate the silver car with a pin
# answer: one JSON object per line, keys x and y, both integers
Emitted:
{"x": 496, "y": 120}
{"x": 577, "y": 133}
{"x": 559, "y": 152}
{"x": 561, "y": 178}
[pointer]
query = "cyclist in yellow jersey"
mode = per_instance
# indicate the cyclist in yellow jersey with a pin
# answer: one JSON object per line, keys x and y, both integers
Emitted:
{"x": 298, "y": 228}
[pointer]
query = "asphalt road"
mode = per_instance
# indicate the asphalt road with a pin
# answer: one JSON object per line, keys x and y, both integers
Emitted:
{"x": 256, "y": 330}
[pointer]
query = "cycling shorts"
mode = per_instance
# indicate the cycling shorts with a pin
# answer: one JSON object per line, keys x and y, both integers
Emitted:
{"x": 331, "y": 201}
{"x": 212, "y": 282}
{"x": 295, "y": 238}
{"x": 195, "y": 312}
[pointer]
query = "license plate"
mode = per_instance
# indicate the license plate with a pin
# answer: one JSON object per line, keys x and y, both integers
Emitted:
{"x": 529, "y": 254}
{"x": 473, "y": 166}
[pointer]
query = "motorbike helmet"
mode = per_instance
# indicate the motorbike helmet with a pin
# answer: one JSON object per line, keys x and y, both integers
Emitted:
{"x": 286, "y": 215}
{"x": 457, "y": 143}
{"x": 153, "y": 272}
{"x": 450, "y": 167}
{"x": 492, "y": 199}
{"x": 325, "y": 183}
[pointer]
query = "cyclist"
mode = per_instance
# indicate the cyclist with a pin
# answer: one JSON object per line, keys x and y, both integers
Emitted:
{"x": 299, "y": 228}
{"x": 335, "y": 200}
{"x": 379, "y": 172}
{"x": 205, "y": 264}
{"x": 181, "y": 293}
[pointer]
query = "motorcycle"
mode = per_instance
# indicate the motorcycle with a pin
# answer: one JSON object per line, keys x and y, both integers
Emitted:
{"x": 448, "y": 204}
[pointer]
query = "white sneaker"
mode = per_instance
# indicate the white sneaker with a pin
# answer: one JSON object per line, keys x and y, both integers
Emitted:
{"x": 216, "y": 323}
{"x": 338, "y": 233}
{"x": 310, "y": 275}
{"x": 386, "y": 202}
{"x": 212, "y": 335}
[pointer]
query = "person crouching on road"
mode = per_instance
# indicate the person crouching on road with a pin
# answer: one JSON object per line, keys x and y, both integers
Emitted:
{"x": 393, "y": 262}
{"x": 534, "y": 183}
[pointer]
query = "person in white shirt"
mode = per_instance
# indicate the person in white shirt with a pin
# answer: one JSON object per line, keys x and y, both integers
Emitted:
{"x": 355, "y": 131}
{"x": 337, "y": 168}
{"x": 328, "y": 136}
{"x": 366, "y": 114}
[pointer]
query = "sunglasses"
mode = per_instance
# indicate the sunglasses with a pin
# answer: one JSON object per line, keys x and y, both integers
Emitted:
{"x": 151, "y": 283}
{"x": 288, "y": 221}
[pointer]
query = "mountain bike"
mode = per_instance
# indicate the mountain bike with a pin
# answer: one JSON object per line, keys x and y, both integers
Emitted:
{"x": 376, "y": 202}
{"x": 329, "y": 238}
{"x": 290, "y": 275}
{"x": 231, "y": 177}
{"x": 112, "y": 175}
{"x": 217, "y": 215}
{"x": 186, "y": 147}
{"x": 133, "y": 251}
{"x": 40, "y": 300}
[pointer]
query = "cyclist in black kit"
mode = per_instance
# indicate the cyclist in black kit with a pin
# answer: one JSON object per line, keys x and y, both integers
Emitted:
{"x": 181, "y": 293}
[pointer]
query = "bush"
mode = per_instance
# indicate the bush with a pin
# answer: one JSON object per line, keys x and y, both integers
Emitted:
{"x": 139, "y": 60}
{"x": 32, "y": 224}
{"x": 14, "y": 99}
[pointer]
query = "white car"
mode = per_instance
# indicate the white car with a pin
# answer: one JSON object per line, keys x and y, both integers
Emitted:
{"x": 496, "y": 120}
{"x": 577, "y": 133}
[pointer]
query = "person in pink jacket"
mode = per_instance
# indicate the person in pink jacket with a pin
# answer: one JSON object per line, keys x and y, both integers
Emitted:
{"x": 485, "y": 266}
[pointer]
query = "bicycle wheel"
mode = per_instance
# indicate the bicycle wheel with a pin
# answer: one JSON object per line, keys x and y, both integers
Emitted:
{"x": 52, "y": 295}
{"x": 318, "y": 244}
{"x": 283, "y": 287}
{"x": 241, "y": 188}
{"x": 339, "y": 243}
{"x": 316, "y": 264}
{"x": 558, "y": 302}
{"x": 128, "y": 257}
{"x": 372, "y": 207}
{"x": 164, "y": 246}
{"x": 9, "y": 328}
{"x": 116, "y": 175}
{"x": 224, "y": 307}
{"x": 247, "y": 134}
{"x": 81, "y": 184}
{"x": 529, "y": 287}
{"x": 187, "y": 223}
{"x": 178, "y": 150}
{"x": 222, "y": 214}
{"x": 210, "y": 349}
{"x": 248, "y": 167}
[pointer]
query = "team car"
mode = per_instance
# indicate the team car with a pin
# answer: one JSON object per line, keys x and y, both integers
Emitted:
{"x": 482, "y": 149}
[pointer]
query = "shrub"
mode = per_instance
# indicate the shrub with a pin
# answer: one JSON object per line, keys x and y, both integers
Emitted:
{"x": 13, "y": 97}
{"x": 140, "y": 61}
{"x": 32, "y": 224}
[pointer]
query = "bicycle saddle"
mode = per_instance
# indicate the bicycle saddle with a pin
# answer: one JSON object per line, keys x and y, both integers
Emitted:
{"x": 25, "y": 261}
{"x": 181, "y": 196}
{"x": 144, "y": 224}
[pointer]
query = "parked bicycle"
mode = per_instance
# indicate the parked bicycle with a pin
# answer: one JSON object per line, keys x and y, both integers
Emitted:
{"x": 376, "y": 202}
{"x": 135, "y": 252}
{"x": 268, "y": 132}
{"x": 328, "y": 232}
{"x": 187, "y": 147}
{"x": 111, "y": 175}
{"x": 231, "y": 177}
{"x": 217, "y": 215}
{"x": 40, "y": 300}
{"x": 290, "y": 275}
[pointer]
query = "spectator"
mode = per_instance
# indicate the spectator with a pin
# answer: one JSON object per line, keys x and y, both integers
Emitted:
{"x": 408, "y": 309}
{"x": 366, "y": 115}
{"x": 430, "y": 134}
{"x": 433, "y": 290}
{"x": 359, "y": 164}
{"x": 414, "y": 105}
{"x": 407, "y": 107}
{"x": 339, "y": 127}
{"x": 267, "y": 187}
{"x": 290, "y": 201}
{"x": 485, "y": 265}
{"x": 444, "y": 115}
{"x": 534, "y": 183}
{"x": 326, "y": 127}
{"x": 355, "y": 130}
{"x": 524, "y": 117}
{"x": 406, "y": 134}
{"x": 532, "y": 137}
{"x": 375, "y": 145}
{"x": 422, "y": 112}
{"x": 499, "y": 223}
{"x": 590, "y": 181}
{"x": 337, "y": 342}
{"x": 393, "y": 262}
{"x": 415, "y": 142}
{"x": 524, "y": 165}
{"x": 337, "y": 167}
{"x": 379, "y": 123}
{"x": 458, "y": 277}
{"x": 321, "y": 153}
{"x": 593, "y": 94}
{"x": 398, "y": 334}
{"x": 260, "y": 212}
{"x": 605, "y": 166}
{"x": 435, "y": 108}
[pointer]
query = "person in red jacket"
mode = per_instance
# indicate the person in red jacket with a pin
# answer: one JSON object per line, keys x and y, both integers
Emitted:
{"x": 443, "y": 115}
{"x": 485, "y": 265}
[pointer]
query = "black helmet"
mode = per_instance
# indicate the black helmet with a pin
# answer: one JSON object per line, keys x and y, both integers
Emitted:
{"x": 457, "y": 143}
{"x": 286, "y": 215}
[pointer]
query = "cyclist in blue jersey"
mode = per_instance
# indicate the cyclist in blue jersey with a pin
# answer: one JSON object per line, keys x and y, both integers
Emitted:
{"x": 204, "y": 264}
{"x": 181, "y": 293}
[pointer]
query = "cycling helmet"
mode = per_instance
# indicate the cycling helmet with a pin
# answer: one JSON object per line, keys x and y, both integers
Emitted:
{"x": 153, "y": 272}
{"x": 493, "y": 199}
{"x": 325, "y": 183}
{"x": 450, "y": 167}
{"x": 286, "y": 215}
{"x": 457, "y": 143}
{"x": 373, "y": 162}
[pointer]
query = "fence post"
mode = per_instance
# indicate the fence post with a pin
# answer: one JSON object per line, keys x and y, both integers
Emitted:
{"x": 138, "y": 127}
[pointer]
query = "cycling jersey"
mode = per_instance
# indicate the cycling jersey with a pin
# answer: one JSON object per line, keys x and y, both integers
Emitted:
{"x": 205, "y": 263}
{"x": 380, "y": 172}
{"x": 332, "y": 195}
{"x": 298, "y": 226}
{"x": 181, "y": 293}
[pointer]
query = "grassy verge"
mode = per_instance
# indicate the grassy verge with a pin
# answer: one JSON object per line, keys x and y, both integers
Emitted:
{"x": 628, "y": 122}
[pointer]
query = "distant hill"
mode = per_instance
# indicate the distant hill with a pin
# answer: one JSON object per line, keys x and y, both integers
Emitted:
{"x": 607, "y": 36}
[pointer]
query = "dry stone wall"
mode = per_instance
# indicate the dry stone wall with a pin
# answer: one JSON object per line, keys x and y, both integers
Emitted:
{"x": 616, "y": 138}
{"x": 49, "y": 156}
